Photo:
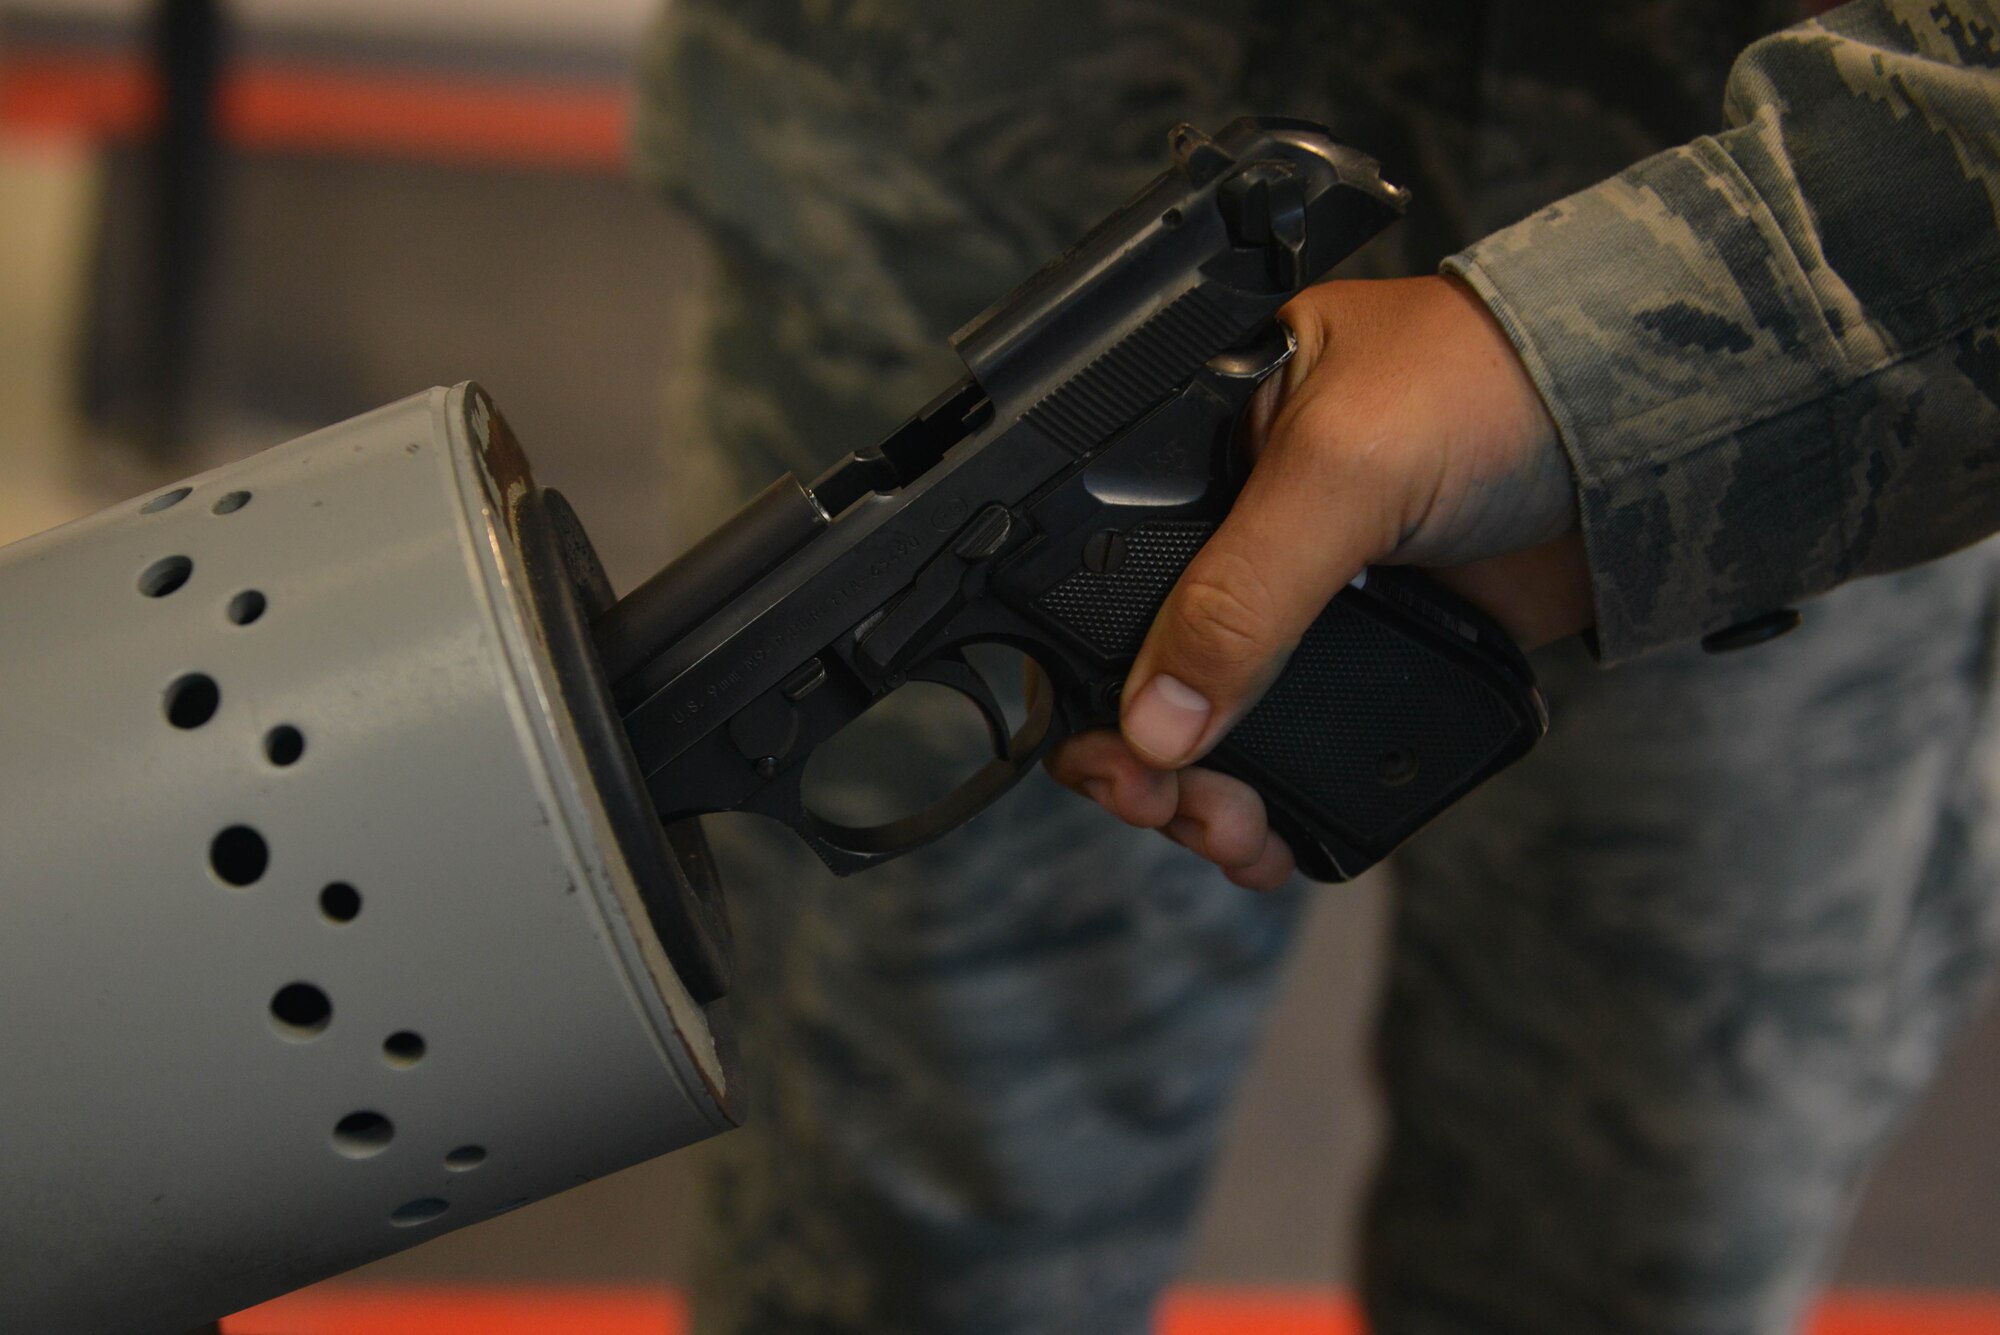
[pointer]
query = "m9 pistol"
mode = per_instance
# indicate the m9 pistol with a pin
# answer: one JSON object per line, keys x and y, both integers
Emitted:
{"x": 284, "y": 736}
{"x": 1048, "y": 502}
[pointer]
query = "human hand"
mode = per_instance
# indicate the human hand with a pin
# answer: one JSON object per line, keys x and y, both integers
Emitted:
{"x": 1403, "y": 431}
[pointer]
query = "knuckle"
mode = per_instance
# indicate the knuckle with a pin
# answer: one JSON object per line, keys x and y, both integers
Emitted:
{"x": 1229, "y": 612}
{"x": 1234, "y": 844}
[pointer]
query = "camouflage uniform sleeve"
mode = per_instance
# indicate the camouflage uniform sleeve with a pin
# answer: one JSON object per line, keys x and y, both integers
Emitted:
{"x": 1772, "y": 353}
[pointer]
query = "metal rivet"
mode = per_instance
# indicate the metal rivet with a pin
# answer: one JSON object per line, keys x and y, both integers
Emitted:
{"x": 1396, "y": 767}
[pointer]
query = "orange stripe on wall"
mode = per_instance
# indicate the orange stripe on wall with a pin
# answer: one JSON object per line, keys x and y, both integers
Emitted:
{"x": 1907, "y": 1314}
{"x": 95, "y": 95}
{"x": 1253, "y": 1312}
{"x": 492, "y": 1310}
{"x": 489, "y": 1310}
{"x": 292, "y": 105}
{"x": 514, "y": 122}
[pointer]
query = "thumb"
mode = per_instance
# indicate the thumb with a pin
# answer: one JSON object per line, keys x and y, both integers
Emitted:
{"x": 1303, "y": 526}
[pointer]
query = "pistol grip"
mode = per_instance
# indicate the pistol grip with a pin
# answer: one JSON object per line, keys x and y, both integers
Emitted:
{"x": 1398, "y": 701}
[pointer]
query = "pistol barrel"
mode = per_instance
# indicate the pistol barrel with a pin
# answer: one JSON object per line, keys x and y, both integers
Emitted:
{"x": 646, "y": 622}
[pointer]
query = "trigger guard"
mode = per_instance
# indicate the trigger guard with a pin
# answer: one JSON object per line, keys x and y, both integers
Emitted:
{"x": 846, "y": 849}
{"x": 952, "y": 671}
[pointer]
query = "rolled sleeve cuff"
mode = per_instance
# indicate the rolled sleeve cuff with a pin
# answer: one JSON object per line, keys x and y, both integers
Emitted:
{"x": 1680, "y": 348}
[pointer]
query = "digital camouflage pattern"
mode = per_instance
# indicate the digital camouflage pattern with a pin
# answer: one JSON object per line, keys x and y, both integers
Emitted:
{"x": 1773, "y": 352}
{"x": 1658, "y": 995}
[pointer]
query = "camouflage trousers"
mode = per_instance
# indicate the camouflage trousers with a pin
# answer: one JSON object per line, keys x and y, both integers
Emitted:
{"x": 1656, "y": 998}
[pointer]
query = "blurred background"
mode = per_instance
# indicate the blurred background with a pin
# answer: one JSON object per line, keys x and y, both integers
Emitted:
{"x": 223, "y": 226}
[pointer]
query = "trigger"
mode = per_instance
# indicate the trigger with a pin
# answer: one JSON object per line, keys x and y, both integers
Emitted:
{"x": 953, "y": 671}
